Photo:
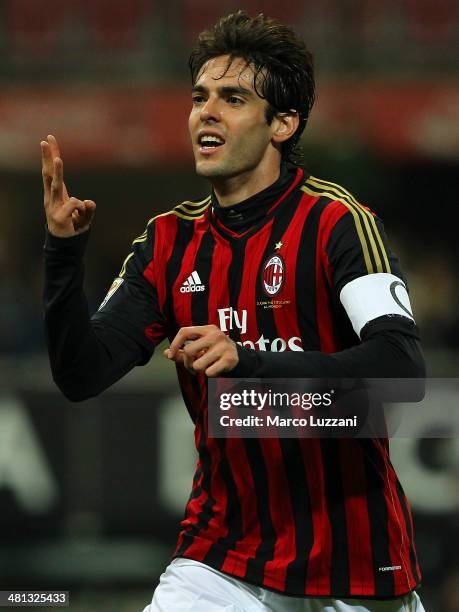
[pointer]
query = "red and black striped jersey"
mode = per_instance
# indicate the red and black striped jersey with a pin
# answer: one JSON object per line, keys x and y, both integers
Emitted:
{"x": 305, "y": 517}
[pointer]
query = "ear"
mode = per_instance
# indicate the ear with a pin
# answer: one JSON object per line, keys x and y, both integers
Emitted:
{"x": 284, "y": 126}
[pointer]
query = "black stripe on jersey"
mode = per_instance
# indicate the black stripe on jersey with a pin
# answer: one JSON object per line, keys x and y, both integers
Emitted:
{"x": 203, "y": 265}
{"x": 184, "y": 234}
{"x": 305, "y": 279}
{"x": 401, "y": 497}
{"x": 339, "y": 571}
{"x": 301, "y": 507}
{"x": 377, "y": 514}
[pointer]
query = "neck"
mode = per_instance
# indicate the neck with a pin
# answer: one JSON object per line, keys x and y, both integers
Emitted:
{"x": 232, "y": 190}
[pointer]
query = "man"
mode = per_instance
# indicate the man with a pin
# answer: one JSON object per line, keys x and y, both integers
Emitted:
{"x": 276, "y": 273}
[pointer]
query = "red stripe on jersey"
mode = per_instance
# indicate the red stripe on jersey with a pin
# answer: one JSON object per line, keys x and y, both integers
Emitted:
{"x": 361, "y": 575}
{"x": 320, "y": 557}
{"x": 399, "y": 542}
{"x": 165, "y": 233}
{"x": 325, "y": 325}
{"x": 286, "y": 317}
{"x": 182, "y": 306}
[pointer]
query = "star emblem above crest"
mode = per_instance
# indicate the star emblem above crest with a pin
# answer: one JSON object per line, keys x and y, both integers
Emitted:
{"x": 279, "y": 245}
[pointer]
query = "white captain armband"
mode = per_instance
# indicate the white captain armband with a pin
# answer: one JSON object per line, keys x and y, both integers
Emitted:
{"x": 372, "y": 296}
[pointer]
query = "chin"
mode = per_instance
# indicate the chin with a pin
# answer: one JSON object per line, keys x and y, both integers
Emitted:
{"x": 209, "y": 170}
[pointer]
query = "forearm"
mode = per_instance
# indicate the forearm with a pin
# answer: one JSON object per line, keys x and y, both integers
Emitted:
{"x": 85, "y": 357}
{"x": 387, "y": 354}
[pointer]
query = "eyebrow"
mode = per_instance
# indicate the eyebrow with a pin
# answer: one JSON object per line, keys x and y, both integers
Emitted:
{"x": 226, "y": 90}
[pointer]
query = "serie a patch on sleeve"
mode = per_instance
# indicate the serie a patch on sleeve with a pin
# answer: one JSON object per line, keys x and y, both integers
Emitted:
{"x": 115, "y": 286}
{"x": 375, "y": 295}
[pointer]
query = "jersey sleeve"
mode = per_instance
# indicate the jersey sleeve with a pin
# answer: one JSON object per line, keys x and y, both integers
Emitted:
{"x": 366, "y": 274}
{"x": 131, "y": 304}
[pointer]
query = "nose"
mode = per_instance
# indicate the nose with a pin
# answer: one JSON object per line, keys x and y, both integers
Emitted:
{"x": 210, "y": 110}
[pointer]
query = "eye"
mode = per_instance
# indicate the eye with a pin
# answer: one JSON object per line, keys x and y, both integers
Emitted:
{"x": 197, "y": 99}
{"x": 235, "y": 100}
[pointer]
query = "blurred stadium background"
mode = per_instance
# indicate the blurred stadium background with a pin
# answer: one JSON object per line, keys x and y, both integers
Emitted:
{"x": 91, "y": 494}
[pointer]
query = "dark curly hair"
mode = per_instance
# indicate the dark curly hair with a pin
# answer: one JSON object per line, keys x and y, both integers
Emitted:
{"x": 282, "y": 65}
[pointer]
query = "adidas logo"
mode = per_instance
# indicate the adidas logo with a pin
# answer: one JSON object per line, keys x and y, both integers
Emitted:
{"x": 192, "y": 284}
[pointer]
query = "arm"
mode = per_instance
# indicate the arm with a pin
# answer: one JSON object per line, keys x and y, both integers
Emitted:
{"x": 383, "y": 353}
{"x": 389, "y": 349}
{"x": 89, "y": 354}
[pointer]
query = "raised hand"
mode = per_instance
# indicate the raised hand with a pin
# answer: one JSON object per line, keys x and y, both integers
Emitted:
{"x": 65, "y": 216}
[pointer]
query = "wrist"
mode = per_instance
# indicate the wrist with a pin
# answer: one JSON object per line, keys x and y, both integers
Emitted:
{"x": 246, "y": 365}
{"x": 75, "y": 244}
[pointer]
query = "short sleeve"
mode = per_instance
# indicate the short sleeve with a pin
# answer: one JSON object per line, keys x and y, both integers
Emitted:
{"x": 366, "y": 274}
{"x": 131, "y": 304}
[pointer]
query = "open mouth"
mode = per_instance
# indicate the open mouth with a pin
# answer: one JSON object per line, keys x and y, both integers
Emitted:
{"x": 210, "y": 143}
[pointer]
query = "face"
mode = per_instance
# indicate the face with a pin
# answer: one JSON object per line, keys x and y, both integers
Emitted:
{"x": 228, "y": 128}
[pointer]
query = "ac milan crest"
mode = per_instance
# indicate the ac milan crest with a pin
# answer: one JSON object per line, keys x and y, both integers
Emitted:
{"x": 273, "y": 275}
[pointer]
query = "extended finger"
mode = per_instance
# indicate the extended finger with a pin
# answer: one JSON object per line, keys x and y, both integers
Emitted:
{"x": 54, "y": 146}
{"x": 57, "y": 184}
{"x": 46, "y": 166}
